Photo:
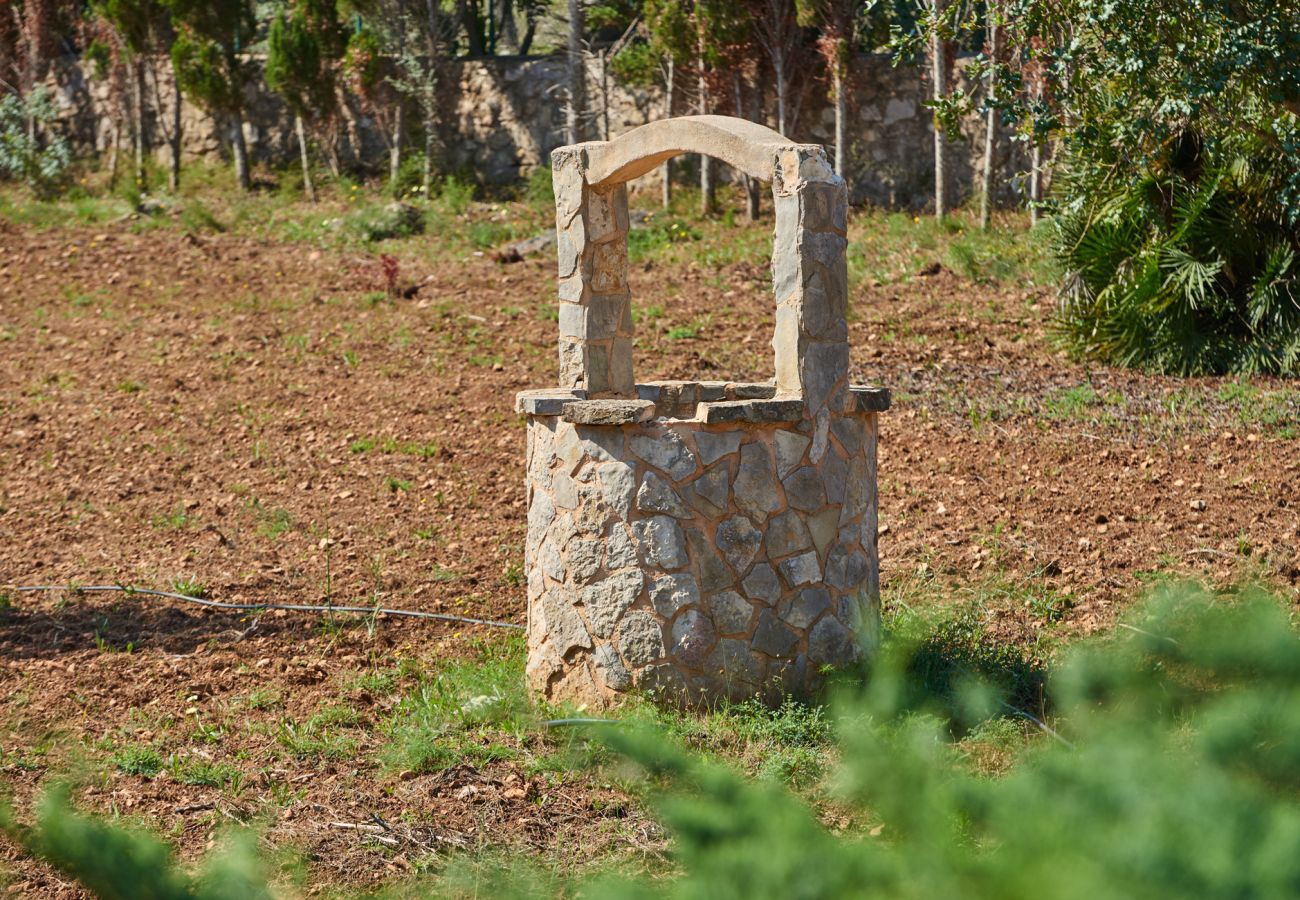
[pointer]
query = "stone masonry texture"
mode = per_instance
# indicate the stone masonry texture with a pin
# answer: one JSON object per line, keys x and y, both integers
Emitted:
{"x": 672, "y": 549}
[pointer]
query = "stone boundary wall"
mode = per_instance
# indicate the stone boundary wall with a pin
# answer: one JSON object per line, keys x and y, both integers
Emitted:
{"x": 504, "y": 116}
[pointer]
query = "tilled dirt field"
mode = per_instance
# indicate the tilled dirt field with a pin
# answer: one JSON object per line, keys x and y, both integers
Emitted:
{"x": 260, "y": 419}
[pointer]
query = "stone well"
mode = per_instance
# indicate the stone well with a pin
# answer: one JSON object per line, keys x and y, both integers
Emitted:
{"x": 701, "y": 539}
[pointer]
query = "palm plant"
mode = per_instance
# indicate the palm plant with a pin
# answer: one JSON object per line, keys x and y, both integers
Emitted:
{"x": 1190, "y": 268}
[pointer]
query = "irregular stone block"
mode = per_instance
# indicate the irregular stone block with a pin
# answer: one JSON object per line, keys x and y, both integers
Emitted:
{"x": 713, "y": 445}
{"x": 731, "y": 612}
{"x": 802, "y": 569}
{"x": 693, "y": 637}
{"x": 551, "y": 561}
{"x": 787, "y": 534}
{"x": 835, "y": 475}
{"x": 805, "y": 490}
{"x": 618, "y": 484}
{"x": 640, "y": 639}
{"x": 848, "y": 431}
{"x": 666, "y": 451}
{"x": 671, "y": 593}
{"x": 824, "y": 528}
{"x": 607, "y": 600}
{"x": 584, "y": 557}
{"x": 755, "y": 487}
{"x": 608, "y": 412}
{"x": 657, "y": 495}
{"x": 732, "y": 662}
{"x": 739, "y": 541}
{"x": 661, "y": 542}
{"x": 714, "y": 575}
{"x": 803, "y": 608}
{"x": 611, "y": 668}
{"x": 846, "y": 569}
{"x": 620, "y": 553}
{"x": 831, "y": 642}
{"x": 790, "y": 448}
{"x": 563, "y": 625}
{"x": 772, "y": 636}
{"x": 709, "y": 492}
{"x": 762, "y": 585}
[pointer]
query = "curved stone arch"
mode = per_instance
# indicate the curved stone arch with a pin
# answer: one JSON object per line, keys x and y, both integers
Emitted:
{"x": 744, "y": 145}
{"x": 809, "y": 268}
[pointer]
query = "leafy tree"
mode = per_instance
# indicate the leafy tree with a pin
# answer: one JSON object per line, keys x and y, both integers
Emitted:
{"x": 208, "y": 62}
{"x": 303, "y": 48}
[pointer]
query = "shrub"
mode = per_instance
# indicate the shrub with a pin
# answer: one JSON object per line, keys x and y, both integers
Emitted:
{"x": 29, "y": 151}
{"x": 1189, "y": 268}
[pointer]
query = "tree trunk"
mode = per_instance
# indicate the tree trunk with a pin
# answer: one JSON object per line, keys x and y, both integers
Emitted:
{"x": 751, "y": 184}
{"x": 841, "y": 115}
{"x": 395, "y": 149}
{"x": 470, "y": 26}
{"x": 706, "y": 161}
{"x": 668, "y": 163}
{"x": 991, "y": 126}
{"x": 778, "y": 69}
{"x": 137, "y": 103}
{"x": 939, "y": 74}
{"x": 577, "y": 76}
{"x": 428, "y": 147}
{"x": 114, "y": 152}
{"x": 307, "y": 186}
{"x": 174, "y": 176}
{"x": 240, "y": 151}
{"x": 1035, "y": 182}
{"x": 509, "y": 31}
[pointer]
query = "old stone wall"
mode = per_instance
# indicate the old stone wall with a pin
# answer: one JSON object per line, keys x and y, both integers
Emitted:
{"x": 700, "y": 561}
{"x": 502, "y": 118}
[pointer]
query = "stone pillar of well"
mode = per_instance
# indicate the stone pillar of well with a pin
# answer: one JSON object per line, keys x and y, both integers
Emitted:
{"x": 699, "y": 540}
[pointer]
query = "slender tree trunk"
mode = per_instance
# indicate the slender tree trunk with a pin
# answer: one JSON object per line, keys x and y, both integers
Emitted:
{"x": 114, "y": 153}
{"x": 307, "y": 186}
{"x": 778, "y": 69}
{"x": 751, "y": 184}
{"x": 137, "y": 103}
{"x": 240, "y": 151}
{"x": 174, "y": 176}
{"x": 1035, "y": 182}
{"x": 668, "y": 163}
{"x": 991, "y": 126}
{"x": 428, "y": 146}
{"x": 331, "y": 142}
{"x": 939, "y": 74}
{"x": 841, "y": 115}
{"x": 577, "y": 76}
{"x": 604, "y": 94}
{"x": 707, "y": 191}
{"x": 395, "y": 149}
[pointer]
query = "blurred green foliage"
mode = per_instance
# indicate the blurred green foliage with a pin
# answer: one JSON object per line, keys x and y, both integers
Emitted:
{"x": 1166, "y": 765}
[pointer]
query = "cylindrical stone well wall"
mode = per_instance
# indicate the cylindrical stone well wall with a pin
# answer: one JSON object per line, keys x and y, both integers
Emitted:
{"x": 698, "y": 560}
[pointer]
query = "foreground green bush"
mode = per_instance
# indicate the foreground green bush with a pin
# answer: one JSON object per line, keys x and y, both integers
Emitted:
{"x": 1170, "y": 769}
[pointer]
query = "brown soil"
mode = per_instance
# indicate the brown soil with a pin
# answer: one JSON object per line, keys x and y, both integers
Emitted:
{"x": 253, "y": 416}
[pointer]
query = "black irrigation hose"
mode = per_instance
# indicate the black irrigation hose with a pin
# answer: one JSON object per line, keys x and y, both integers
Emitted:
{"x": 292, "y": 607}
